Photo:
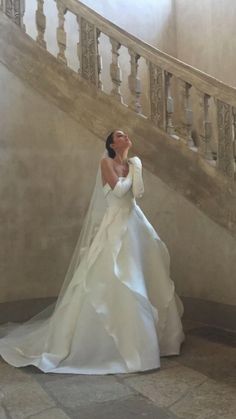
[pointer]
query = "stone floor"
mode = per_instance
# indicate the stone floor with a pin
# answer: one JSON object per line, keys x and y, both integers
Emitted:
{"x": 199, "y": 384}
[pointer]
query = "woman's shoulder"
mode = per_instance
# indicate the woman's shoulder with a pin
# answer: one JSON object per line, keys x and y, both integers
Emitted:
{"x": 106, "y": 164}
{"x": 106, "y": 161}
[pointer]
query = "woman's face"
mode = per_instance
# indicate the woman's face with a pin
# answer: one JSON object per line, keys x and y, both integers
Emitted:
{"x": 121, "y": 141}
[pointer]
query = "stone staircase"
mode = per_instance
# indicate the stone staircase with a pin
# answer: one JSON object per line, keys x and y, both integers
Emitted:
{"x": 184, "y": 130}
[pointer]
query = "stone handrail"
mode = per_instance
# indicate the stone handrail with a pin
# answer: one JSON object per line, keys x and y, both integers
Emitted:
{"x": 188, "y": 104}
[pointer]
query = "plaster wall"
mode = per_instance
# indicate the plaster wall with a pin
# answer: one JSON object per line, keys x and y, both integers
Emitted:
{"x": 48, "y": 165}
{"x": 205, "y": 36}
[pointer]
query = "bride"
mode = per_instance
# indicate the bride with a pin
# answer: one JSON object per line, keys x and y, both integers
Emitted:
{"x": 117, "y": 311}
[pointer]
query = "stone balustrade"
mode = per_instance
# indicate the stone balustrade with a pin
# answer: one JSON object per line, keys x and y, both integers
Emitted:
{"x": 189, "y": 105}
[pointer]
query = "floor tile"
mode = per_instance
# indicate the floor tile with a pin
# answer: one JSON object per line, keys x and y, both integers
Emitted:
{"x": 2, "y": 413}
{"x": 134, "y": 407}
{"x": 213, "y": 359}
{"x": 166, "y": 386}
{"x": 50, "y": 414}
{"x": 25, "y": 399}
{"x": 10, "y": 374}
{"x": 211, "y": 400}
{"x": 79, "y": 390}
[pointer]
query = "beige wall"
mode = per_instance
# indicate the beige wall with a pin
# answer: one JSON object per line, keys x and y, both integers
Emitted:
{"x": 206, "y": 36}
{"x": 47, "y": 170}
{"x": 203, "y": 254}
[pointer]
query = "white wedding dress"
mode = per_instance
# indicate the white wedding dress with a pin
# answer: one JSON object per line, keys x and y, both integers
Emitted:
{"x": 119, "y": 313}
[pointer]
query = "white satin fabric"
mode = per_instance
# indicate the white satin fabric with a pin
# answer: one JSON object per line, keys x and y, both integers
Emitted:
{"x": 120, "y": 312}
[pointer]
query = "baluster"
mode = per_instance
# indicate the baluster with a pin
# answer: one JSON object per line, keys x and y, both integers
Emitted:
{"x": 134, "y": 82}
{"x": 225, "y": 155}
{"x": 99, "y": 61}
{"x": 156, "y": 95}
{"x": 206, "y": 137}
{"x": 181, "y": 118}
{"x": 115, "y": 70}
{"x": 41, "y": 24}
{"x": 88, "y": 52}
{"x": 19, "y": 11}
{"x": 79, "y": 52}
{"x": 15, "y": 10}
{"x": 188, "y": 114}
{"x": 169, "y": 105}
{"x": 8, "y": 8}
{"x": 61, "y": 34}
{"x": 234, "y": 132}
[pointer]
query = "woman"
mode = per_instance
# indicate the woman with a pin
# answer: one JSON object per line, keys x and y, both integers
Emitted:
{"x": 117, "y": 311}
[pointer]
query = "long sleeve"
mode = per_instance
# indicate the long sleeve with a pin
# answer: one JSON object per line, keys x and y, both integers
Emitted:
{"x": 123, "y": 185}
{"x": 137, "y": 185}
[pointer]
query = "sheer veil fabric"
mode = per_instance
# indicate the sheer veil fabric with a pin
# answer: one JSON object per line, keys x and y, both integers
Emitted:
{"x": 117, "y": 310}
{"x": 93, "y": 217}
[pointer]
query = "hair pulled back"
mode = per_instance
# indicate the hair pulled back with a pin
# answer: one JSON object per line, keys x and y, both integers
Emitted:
{"x": 109, "y": 141}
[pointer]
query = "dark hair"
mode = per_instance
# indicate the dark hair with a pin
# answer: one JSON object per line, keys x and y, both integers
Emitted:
{"x": 109, "y": 141}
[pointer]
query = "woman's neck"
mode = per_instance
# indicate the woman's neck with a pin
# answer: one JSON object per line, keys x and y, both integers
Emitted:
{"x": 122, "y": 157}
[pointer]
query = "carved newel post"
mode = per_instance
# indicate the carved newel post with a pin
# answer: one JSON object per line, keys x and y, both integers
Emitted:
{"x": 156, "y": 95}
{"x": 169, "y": 105}
{"x": 188, "y": 114}
{"x": 15, "y": 10}
{"x": 90, "y": 62}
{"x": 205, "y": 128}
{"x": 225, "y": 155}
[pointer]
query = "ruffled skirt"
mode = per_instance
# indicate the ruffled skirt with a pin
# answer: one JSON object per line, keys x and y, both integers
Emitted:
{"x": 120, "y": 312}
